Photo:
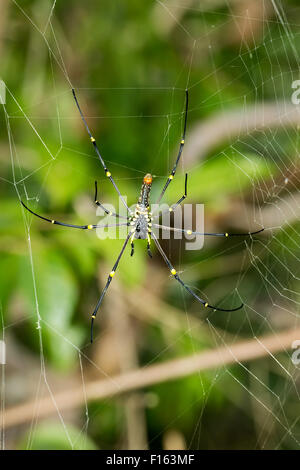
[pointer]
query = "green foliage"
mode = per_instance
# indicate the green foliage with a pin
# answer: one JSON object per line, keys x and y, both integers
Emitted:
{"x": 57, "y": 295}
{"x": 54, "y": 436}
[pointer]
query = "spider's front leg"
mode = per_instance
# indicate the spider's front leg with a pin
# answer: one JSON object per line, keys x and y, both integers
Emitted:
{"x": 93, "y": 141}
{"x": 182, "y": 142}
{"x": 173, "y": 206}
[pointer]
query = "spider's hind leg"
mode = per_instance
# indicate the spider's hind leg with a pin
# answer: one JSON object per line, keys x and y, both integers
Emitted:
{"x": 190, "y": 291}
{"x": 109, "y": 279}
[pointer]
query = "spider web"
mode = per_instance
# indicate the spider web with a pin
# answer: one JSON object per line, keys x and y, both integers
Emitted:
{"x": 259, "y": 125}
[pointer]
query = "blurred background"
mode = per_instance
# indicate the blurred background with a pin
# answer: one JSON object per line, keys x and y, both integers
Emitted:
{"x": 130, "y": 63}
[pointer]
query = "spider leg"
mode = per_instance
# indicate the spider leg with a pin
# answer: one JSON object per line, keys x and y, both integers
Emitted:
{"x": 83, "y": 227}
{"x": 132, "y": 249}
{"x": 93, "y": 140}
{"x": 191, "y": 232}
{"x": 171, "y": 177}
{"x": 190, "y": 291}
{"x": 109, "y": 279}
{"x": 132, "y": 243}
{"x": 113, "y": 214}
{"x": 183, "y": 197}
{"x": 149, "y": 245}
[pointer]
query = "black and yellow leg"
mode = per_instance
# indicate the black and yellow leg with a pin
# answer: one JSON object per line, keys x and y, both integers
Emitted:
{"x": 109, "y": 279}
{"x": 93, "y": 140}
{"x": 149, "y": 245}
{"x": 190, "y": 291}
{"x": 181, "y": 145}
{"x": 113, "y": 214}
{"x": 82, "y": 227}
{"x": 132, "y": 249}
{"x": 131, "y": 242}
{"x": 224, "y": 234}
{"x": 183, "y": 197}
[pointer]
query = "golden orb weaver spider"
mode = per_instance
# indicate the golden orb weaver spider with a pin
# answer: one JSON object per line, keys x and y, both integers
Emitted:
{"x": 141, "y": 220}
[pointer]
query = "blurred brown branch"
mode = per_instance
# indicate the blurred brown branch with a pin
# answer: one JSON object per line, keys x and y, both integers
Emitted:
{"x": 136, "y": 379}
{"x": 124, "y": 338}
{"x": 206, "y": 136}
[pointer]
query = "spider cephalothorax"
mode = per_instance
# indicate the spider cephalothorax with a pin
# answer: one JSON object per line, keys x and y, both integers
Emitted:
{"x": 140, "y": 221}
{"x": 143, "y": 201}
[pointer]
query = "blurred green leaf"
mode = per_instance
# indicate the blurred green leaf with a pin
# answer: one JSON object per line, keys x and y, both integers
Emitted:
{"x": 56, "y": 436}
{"x": 57, "y": 295}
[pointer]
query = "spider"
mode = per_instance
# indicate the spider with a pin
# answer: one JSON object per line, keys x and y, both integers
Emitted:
{"x": 141, "y": 220}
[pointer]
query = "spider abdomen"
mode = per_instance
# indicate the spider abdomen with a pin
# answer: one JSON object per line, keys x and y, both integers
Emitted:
{"x": 141, "y": 229}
